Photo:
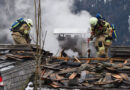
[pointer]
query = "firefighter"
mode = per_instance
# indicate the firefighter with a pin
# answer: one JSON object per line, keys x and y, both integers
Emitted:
{"x": 103, "y": 33}
{"x": 20, "y": 31}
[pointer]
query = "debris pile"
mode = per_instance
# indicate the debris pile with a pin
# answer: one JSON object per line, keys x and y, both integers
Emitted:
{"x": 20, "y": 52}
{"x": 93, "y": 75}
{"x": 15, "y": 52}
{"x": 65, "y": 72}
{"x": 16, "y": 66}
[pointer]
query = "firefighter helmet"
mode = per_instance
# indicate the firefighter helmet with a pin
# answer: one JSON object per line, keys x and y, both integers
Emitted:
{"x": 93, "y": 21}
{"x": 29, "y": 22}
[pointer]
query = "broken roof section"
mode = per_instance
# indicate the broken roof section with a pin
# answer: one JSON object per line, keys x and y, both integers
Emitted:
{"x": 17, "y": 64}
{"x": 94, "y": 75}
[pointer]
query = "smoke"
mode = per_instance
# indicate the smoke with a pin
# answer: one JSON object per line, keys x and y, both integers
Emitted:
{"x": 55, "y": 14}
{"x": 58, "y": 14}
{"x": 5, "y": 33}
{"x": 11, "y": 10}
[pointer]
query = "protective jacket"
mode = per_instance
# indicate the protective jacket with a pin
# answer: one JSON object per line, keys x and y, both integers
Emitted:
{"x": 101, "y": 28}
{"x": 21, "y": 35}
{"x": 103, "y": 33}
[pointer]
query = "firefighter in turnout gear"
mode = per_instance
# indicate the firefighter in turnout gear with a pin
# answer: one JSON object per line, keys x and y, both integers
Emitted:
{"x": 20, "y": 31}
{"x": 102, "y": 31}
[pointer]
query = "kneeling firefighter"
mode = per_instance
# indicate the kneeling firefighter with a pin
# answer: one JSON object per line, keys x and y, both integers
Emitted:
{"x": 103, "y": 33}
{"x": 20, "y": 31}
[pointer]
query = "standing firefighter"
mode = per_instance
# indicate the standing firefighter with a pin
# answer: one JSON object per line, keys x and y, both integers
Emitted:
{"x": 20, "y": 31}
{"x": 103, "y": 33}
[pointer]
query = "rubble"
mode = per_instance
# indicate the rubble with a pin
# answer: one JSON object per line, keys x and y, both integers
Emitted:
{"x": 100, "y": 73}
{"x": 20, "y": 52}
{"x": 70, "y": 73}
{"x": 16, "y": 66}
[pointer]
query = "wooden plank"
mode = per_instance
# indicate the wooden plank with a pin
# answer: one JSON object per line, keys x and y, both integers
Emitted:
{"x": 77, "y": 59}
{"x": 72, "y": 76}
{"x": 14, "y": 57}
{"x": 100, "y": 59}
{"x": 55, "y": 84}
{"x": 125, "y": 76}
{"x": 47, "y": 74}
{"x": 68, "y": 70}
{"x": 52, "y": 76}
{"x": 58, "y": 77}
{"x": 16, "y": 47}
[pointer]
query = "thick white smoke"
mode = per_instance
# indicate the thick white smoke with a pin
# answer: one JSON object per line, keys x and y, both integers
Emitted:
{"x": 55, "y": 14}
{"x": 11, "y": 10}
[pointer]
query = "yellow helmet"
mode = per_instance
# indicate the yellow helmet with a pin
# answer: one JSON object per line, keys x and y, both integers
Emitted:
{"x": 93, "y": 21}
{"x": 29, "y": 22}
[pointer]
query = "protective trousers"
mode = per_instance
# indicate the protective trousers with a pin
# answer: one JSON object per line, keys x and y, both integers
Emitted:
{"x": 102, "y": 50}
{"x": 19, "y": 38}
